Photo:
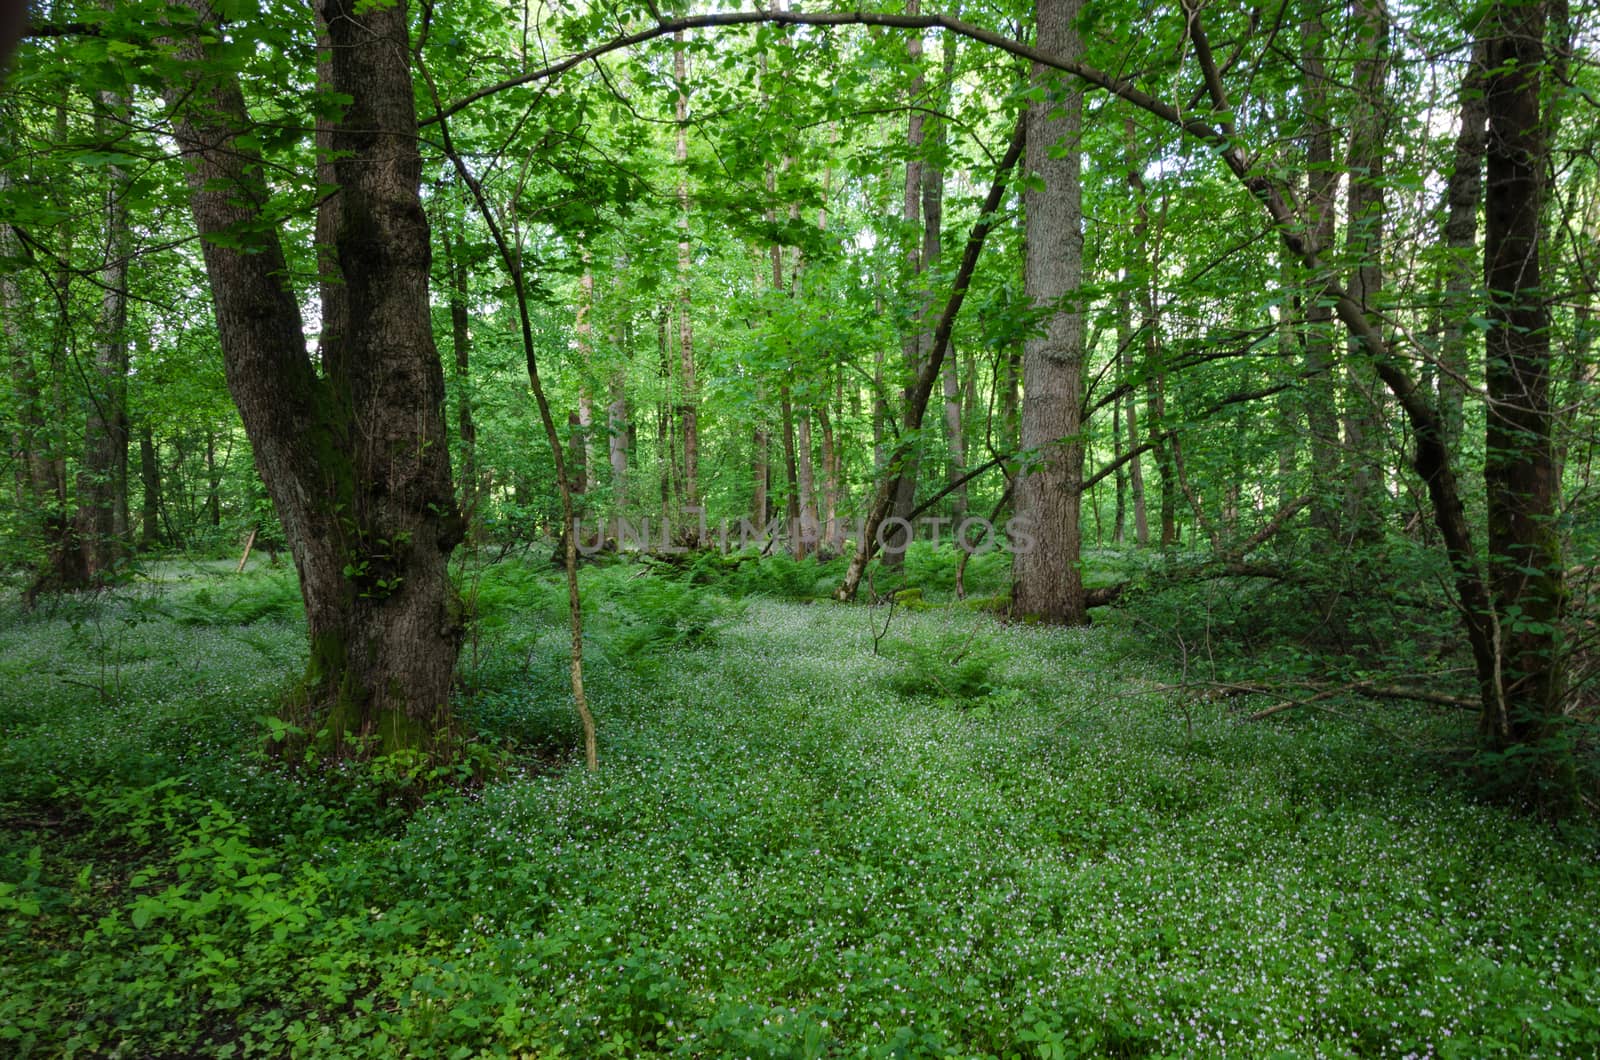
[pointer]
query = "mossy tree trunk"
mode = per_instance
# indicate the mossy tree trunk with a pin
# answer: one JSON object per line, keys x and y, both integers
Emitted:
{"x": 355, "y": 456}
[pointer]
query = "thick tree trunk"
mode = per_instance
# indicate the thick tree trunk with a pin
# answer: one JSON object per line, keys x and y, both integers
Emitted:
{"x": 356, "y": 460}
{"x": 1047, "y": 581}
{"x": 1525, "y": 570}
{"x": 688, "y": 401}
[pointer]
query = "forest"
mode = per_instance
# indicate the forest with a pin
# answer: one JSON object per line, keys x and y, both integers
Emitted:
{"x": 578, "y": 528}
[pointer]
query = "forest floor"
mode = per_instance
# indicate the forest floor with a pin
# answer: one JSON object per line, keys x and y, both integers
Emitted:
{"x": 807, "y": 838}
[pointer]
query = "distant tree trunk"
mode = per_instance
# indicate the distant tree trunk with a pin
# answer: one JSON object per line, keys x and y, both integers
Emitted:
{"x": 577, "y": 453}
{"x": 617, "y": 428}
{"x": 810, "y": 531}
{"x": 371, "y": 523}
{"x": 1525, "y": 568}
{"x": 1155, "y": 377}
{"x": 584, "y": 332}
{"x": 830, "y": 478}
{"x": 1010, "y": 398}
{"x": 791, "y": 474}
{"x": 666, "y": 444}
{"x": 761, "y": 473}
{"x": 688, "y": 408}
{"x": 105, "y": 444}
{"x": 1463, "y": 197}
{"x": 461, "y": 340}
{"x": 1322, "y": 417}
{"x": 213, "y": 481}
{"x": 1047, "y": 581}
{"x": 1286, "y": 410}
{"x": 150, "y": 481}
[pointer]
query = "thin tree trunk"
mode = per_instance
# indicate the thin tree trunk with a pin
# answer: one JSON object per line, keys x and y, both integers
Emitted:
{"x": 1322, "y": 420}
{"x": 1363, "y": 503}
{"x": 1155, "y": 377}
{"x": 461, "y": 340}
{"x": 830, "y": 478}
{"x": 916, "y": 247}
{"x": 1463, "y": 269}
{"x": 688, "y": 408}
{"x": 150, "y": 480}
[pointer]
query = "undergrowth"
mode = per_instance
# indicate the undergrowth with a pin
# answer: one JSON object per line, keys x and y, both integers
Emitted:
{"x": 986, "y": 841}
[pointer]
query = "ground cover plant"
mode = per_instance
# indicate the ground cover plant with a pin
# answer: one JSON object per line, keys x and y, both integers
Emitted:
{"x": 796, "y": 847}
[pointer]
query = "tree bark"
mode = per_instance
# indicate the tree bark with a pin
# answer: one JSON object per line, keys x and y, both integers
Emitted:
{"x": 1525, "y": 570}
{"x": 1047, "y": 580}
{"x": 356, "y": 460}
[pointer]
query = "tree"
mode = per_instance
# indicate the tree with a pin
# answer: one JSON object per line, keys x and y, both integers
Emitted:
{"x": 354, "y": 452}
{"x": 1047, "y": 582}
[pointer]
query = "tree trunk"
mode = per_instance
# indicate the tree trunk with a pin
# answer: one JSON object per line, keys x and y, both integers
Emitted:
{"x": 1525, "y": 571}
{"x": 912, "y": 340}
{"x": 1463, "y": 197}
{"x": 791, "y": 474}
{"x": 1364, "y": 420}
{"x": 809, "y": 528}
{"x": 213, "y": 481}
{"x": 150, "y": 481}
{"x": 461, "y": 340}
{"x": 830, "y": 479}
{"x": 1047, "y": 581}
{"x": 356, "y": 460}
{"x": 1150, "y": 332}
{"x": 688, "y": 407}
{"x": 1322, "y": 418}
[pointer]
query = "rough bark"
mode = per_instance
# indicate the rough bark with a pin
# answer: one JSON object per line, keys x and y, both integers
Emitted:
{"x": 356, "y": 460}
{"x": 1047, "y": 581}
